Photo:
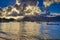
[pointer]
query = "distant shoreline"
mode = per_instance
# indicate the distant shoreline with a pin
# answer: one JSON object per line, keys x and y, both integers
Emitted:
{"x": 32, "y": 19}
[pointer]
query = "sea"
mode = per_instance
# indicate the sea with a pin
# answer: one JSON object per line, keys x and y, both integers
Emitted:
{"x": 29, "y": 30}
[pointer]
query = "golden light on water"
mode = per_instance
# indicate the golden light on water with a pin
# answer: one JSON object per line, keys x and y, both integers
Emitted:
{"x": 18, "y": 29}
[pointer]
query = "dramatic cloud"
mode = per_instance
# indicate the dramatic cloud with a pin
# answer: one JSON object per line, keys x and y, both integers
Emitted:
{"x": 22, "y": 7}
{"x": 56, "y": 0}
{"x": 55, "y": 14}
{"x": 49, "y": 2}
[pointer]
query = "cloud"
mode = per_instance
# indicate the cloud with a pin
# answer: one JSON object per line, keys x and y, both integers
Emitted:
{"x": 55, "y": 14}
{"x": 49, "y": 2}
{"x": 29, "y": 2}
{"x": 30, "y": 7}
{"x": 57, "y": 0}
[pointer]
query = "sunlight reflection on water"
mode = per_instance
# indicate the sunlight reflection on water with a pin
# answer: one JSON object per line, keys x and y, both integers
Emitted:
{"x": 30, "y": 30}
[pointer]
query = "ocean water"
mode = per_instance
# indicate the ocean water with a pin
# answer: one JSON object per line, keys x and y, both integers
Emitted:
{"x": 29, "y": 30}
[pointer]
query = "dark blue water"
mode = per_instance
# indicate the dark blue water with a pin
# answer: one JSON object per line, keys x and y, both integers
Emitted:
{"x": 43, "y": 30}
{"x": 50, "y": 30}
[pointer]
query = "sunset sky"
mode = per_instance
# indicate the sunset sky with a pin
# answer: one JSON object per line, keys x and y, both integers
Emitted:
{"x": 54, "y": 8}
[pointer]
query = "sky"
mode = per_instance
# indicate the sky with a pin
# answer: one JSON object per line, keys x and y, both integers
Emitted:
{"x": 5, "y": 3}
{"x": 54, "y": 8}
